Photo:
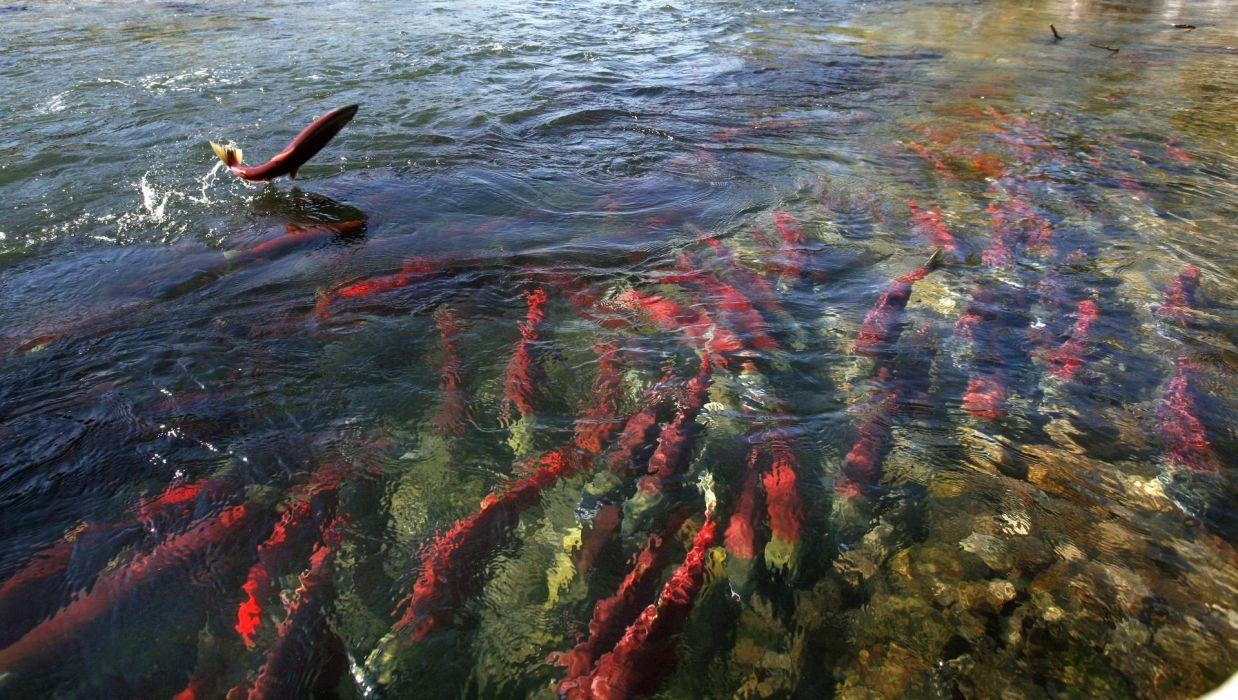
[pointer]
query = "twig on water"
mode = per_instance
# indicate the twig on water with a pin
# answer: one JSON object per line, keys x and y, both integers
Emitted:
{"x": 1056, "y": 36}
{"x": 1107, "y": 48}
{"x": 1187, "y": 27}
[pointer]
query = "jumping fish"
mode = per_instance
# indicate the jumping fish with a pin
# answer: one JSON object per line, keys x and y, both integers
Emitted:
{"x": 306, "y": 145}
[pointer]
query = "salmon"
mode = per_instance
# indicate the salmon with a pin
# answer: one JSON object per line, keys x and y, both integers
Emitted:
{"x": 304, "y": 146}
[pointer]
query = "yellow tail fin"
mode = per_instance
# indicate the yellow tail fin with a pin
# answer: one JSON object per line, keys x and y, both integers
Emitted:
{"x": 230, "y": 155}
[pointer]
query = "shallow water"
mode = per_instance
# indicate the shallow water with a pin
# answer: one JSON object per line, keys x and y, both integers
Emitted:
{"x": 245, "y": 430}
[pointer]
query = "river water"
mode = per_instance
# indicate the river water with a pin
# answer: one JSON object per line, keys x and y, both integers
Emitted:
{"x": 607, "y": 350}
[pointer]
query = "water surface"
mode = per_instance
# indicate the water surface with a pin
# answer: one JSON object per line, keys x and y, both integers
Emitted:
{"x": 584, "y": 282}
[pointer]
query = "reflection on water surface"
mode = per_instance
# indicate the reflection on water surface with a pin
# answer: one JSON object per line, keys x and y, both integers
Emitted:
{"x": 676, "y": 349}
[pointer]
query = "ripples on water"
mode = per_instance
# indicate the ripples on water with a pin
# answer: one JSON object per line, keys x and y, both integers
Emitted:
{"x": 244, "y": 431}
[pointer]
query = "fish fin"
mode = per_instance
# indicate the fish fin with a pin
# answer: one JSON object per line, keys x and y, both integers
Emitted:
{"x": 934, "y": 260}
{"x": 230, "y": 155}
{"x": 293, "y": 175}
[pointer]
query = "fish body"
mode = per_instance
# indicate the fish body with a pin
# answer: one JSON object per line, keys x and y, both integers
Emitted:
{"x": 525, "y": 377}
{"x": 695, "y": 325}
{"x": 881, "y": 325}
{"x": 49, "y": 639}
{"x": 304, "y": 645}
{"x": 612, "y": 616}
{"x": 413, "y": 272}
{"x": 306, "y": 145}
{"x": 294, "y": 237}
{"x": 1179, "y": 305}
{"x": 861, "y": 470}
{"x": 1067, "y": 360}
{"x": 641, "y": 659}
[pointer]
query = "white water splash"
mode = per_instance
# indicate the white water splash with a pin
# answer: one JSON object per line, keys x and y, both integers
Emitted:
{"x": 153, "y": 204}
{"x": 205, "y": 183}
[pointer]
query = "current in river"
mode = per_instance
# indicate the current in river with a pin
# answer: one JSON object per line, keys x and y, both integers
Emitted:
{"x": 616, "y": 349}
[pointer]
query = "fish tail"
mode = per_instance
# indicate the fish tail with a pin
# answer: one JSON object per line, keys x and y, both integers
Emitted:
{"x": 230, "y": 155}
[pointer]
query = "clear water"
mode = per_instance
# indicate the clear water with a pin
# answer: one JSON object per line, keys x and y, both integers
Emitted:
{"x": 1021, "y": 483}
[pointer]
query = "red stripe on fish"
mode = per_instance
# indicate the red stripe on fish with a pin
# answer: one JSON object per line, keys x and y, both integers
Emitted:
{"x": 416, "y": 271}
{"x": 1182, "y": 432}
{"x": 171, "y": 507}
{"x": 1173, "y": 151}
{"x": 931, "y": 225}
{"x": 453, "y": 411}
{"x": 669, "y": 460}
{"x": 696, "y": 325}
{"x": 862, "y": 466}
{"x": 299, "y": 637}
{"x": 939, "y": 164}
{"x": 612, "y": 615}
{"x": 740, "y": 535}
{"x": 881, "y": 325}
{"x": 292, "y": 239}
{"x": 449, "y": 566}
{"x": 197, "y": 689}
{"x": 525, "y": 378}
{"x": 57, "y": 633}
{"x": 646, "y": 653}
{"x": 1015, "y": 222}
{"x": 791, "y": 254}
{"x": 1179, "y": 304}
{"x": 729, "y": 305}
{"x": 999, "y": 252}
{"x": 271, "y": 554}
{"x": 599, "y": 421}
{"x": 595, "y": 535}
{"x": 756, "y": 288}
{"x": 782, "y": 498}
{"x": 985, "y": 397}
{"x": 1066, "y": 360}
